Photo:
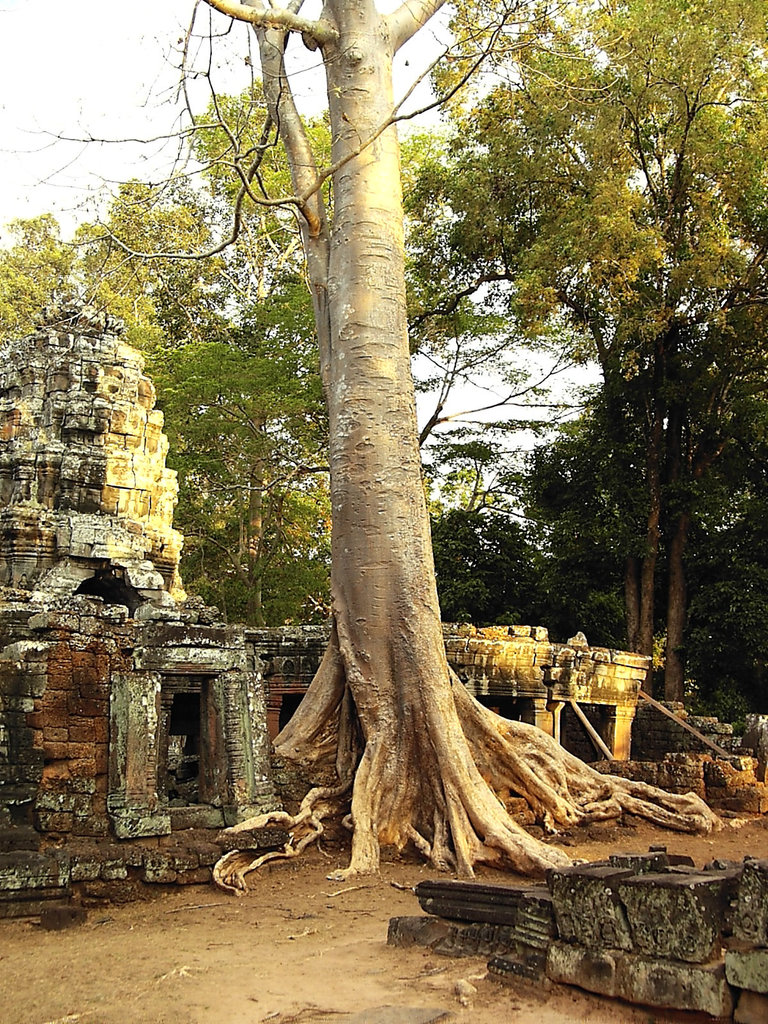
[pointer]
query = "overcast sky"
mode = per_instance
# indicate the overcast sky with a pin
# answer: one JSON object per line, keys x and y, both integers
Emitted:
{"x": 87, "y": 69}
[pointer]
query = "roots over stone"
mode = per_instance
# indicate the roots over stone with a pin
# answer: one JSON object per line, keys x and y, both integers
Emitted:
{"x": 430, "y": 776}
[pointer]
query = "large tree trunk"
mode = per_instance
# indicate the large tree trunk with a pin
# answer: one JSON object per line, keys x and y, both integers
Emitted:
{"x": 424, "y": 760}
{"x": 415, "y": 766}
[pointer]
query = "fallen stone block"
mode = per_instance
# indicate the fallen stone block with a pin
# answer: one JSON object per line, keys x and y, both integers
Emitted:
{"x": 416, "y": 931}
{"x": 747, "y": 968}
{"x": 675, "y": 915}
{"x": 587, "y": 906}
{"x": 528, "y": 908}
{"x": 640, "y": 979}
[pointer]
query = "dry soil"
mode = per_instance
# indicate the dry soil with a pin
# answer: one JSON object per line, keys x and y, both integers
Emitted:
{"x": 299, "y": 948}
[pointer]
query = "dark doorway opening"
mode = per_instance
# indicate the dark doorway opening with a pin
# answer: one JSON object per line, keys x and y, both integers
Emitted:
{"x": 183, "y": 763}
{"x": 288, "y": 707}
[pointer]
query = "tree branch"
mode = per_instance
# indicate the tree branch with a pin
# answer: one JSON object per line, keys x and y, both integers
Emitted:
{"x": 322, "y": 32}
{"x": 409, "y": 18}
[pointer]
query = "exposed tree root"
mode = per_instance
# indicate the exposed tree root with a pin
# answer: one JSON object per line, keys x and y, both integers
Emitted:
{"x": 430, "y": 776}
{"x": 306, "y": 827}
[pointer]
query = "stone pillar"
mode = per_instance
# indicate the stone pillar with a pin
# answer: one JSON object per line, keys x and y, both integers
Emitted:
{"x": 536, "y": 711}
{"x": 619, "y": 732}
{"x": 555, "y": 707}
{"x": 250, "y": 790}
{"x": 135, "y": 735}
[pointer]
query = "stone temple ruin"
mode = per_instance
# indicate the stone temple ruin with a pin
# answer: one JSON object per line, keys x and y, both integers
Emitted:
{"x": 128, "y": 713}
{"x": 124, "y": 713}
{"x": 132, "y": 721}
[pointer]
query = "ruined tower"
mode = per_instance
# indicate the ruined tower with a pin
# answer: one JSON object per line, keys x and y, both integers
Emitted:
{"x": 85, "y": 495}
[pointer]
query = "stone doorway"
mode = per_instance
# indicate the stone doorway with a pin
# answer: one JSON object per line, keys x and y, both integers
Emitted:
{"x": 189, "y": 772}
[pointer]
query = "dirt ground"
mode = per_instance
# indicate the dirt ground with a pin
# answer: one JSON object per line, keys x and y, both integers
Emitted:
{"x": 299, "y": 949}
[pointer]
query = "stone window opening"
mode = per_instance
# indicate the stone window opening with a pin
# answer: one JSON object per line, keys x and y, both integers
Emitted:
{"x": 191, "y": 756}
{"x": 110, "y": 585}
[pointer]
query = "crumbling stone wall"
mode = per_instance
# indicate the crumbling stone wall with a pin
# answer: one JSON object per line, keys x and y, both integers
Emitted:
{"x": 734, "y": 786}
{"x": 86, "y": 725}
{"x": 655, "y": 735}
{"x": 102, "y": 668}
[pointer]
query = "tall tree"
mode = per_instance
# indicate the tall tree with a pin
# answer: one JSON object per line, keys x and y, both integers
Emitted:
{"x": 619, "y": 181}
{"x": 419, "y": 770}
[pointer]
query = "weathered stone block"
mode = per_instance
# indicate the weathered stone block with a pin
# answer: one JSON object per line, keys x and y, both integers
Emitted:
{"x": 641, "y": 863}
{"x": 639, "y": 979}
{"x": 416, "y": 931}
{"x": 507, "y": 969}
{"x": 158, "y": 869}
{"x": 747, "y": 968}
{"x": 750, "y": 922}
{"x": 196, "y": 816}
{"x": 27, "y": 870}
{"x": 679, "y": 986}
{"x": 675, "y": 915}
{"x": 587, "y": 906}
{"x": 60, "y": 821}
{"x": 113, "y": 870}
{"x": 85, "y": 868}
{"x": 593, "y": 970}
{"x": 129, "y": 824}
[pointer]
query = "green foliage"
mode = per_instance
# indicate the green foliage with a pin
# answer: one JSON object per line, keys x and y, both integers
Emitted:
{"x": 588, "y": 509}
{"x": 728, "y": 630}
{"x": 247, "y": 429}
{"x": 34, "y": 271}
{"x": 611, "y": 181}
{"x": 487, "y": 569}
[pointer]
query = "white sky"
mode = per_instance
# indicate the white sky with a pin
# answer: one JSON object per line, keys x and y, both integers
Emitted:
{"x": 90, "y": 69}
